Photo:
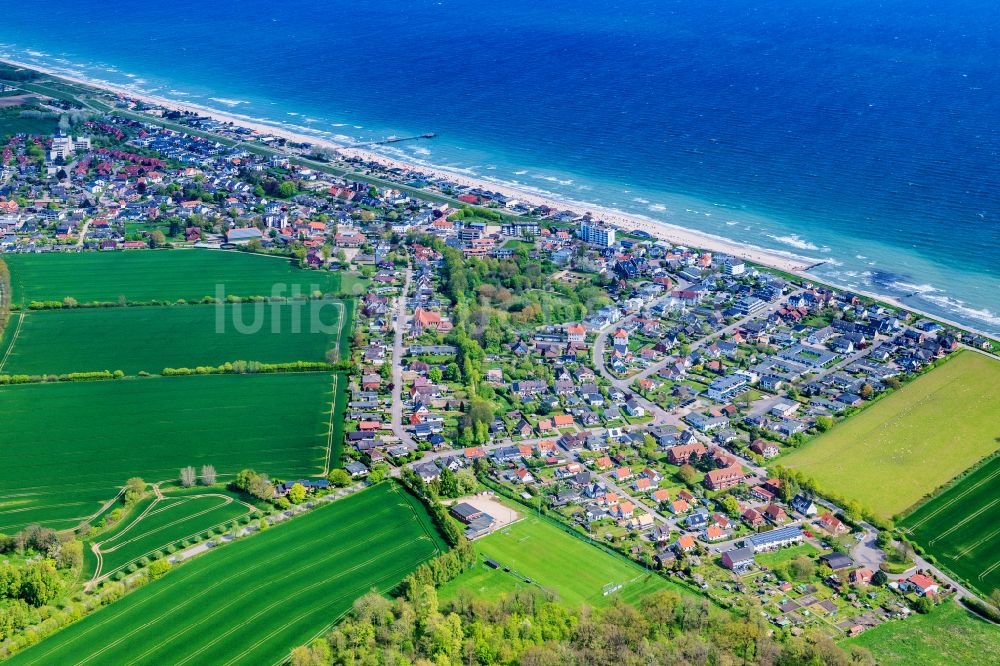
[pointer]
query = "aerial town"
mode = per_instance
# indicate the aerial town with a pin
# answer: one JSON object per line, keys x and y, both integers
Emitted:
{"x": 649, "y": 398}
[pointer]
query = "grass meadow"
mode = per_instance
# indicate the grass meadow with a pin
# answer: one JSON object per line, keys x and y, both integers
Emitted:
{"x": 254, "y": 600}
{"x": 560, "y": 563}
{"x": 134, "y": 339}
{"x": 148, "y": 275}
{"x": 69, "y": 447}
{"x": 961, "y": 528}
{"x": 912, "y": 442}
{"x": 947, "y": 636}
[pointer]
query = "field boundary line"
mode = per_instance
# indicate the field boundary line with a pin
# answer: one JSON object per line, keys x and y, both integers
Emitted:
{"x": 13, "y": 340}
{"x": 329, "y": 434}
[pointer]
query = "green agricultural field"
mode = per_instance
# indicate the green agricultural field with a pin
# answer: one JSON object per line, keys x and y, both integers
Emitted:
{"x": 947, "y": 636}
{"x": 69, "y": 447}
{"x": 158, "y": 522}
{"x": 252, "y": 601}
{"x": 558, "y": 562}
{"x": 912, "y": 442}
{"x": 148, "y": 275}
{"x": 153, "y": 338}
{"x": 961, "y": 528}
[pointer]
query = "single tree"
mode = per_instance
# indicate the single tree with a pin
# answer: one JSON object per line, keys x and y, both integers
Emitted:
{"x": 339, "y": 478}
{"x": 208, "y": 475}
{"x": 188, "y": 476}
{"x": 296, "y": 493}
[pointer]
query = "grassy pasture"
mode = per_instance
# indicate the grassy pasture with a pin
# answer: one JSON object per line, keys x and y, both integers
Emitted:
{"x": 961, "y": 528}
{"x": 576, "y": 571}
{"x": 252, "y": 601}
{"x": 948, "y": 635}
{"x": 912, "y": 442}
{"x": 160, "y": 522}
{"x": 69, "y": 447}
{"x": 147, "y": 275}
{"x": 153, "y": 338}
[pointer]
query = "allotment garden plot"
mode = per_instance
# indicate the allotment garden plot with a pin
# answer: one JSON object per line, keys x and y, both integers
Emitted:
{"x": 148, "y": 275}
{"x": 961, "y": 528}
{"x": 135, "y": 339}
{"x": 912, "y": 442}
{"x": 254, "y": 600}
{"x": 70, "y": 447}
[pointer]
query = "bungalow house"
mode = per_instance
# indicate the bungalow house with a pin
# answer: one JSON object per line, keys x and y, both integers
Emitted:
{"x": 562, "y": 420}
{"x": 660, "y": 495}
{"x": 473, "y": 452}
{"x": 697, "y": 519}
{"x": 764, "y": 448}
{"x": 922, "y": 584}
{"x": 522, "y": 475}
{"x": 603, "y": 462}
{"x": 680, "y": 506}
{"x": 753, "y": 518}
{"x": 713, "y": 533}
{"x": 775, "y": 514}
{"x": 642, "y": 485}
{"x": 862, "y": 575}
{"x": 804, "y": 505}
{"x": 623, "y": 510}
{"x": 685, "y": 544}
{"x": 832, "y": 524}
{"x": 622, "y": 474}
{"x": 640, "y": 522}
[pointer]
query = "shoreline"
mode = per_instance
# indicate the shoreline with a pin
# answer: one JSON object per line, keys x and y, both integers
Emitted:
{"x": 624, "y": 222}
{"x": 781, "y": 260}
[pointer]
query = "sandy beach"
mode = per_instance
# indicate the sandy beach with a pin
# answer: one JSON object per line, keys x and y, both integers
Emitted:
{"x": 626, "y": 222}
{"x": 790, "y": 263}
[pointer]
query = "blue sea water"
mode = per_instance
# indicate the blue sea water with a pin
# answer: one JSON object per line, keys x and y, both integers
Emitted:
{"x": 862, "y": 133}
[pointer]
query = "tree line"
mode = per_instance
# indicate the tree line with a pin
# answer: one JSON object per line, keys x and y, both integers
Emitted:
{"x": 528, "y": 627}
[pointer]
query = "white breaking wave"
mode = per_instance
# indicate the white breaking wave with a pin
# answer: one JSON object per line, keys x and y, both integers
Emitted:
{"x": 918, "y": 288}
{"x": 553, "y": 179}
{"x": 227, "y": 102}
{"x": 793, "y": 240}
{"x": 955, "y": 305}
{"x": 658, "y": 208}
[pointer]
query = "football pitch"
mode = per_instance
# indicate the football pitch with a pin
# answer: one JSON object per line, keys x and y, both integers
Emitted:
{"x": 160, "y": 275}
{"x": 254, "y": 600}
{"x": 134, "y": 339}
{"x": 961, "y": 528}
{"x": 912, "y": 442}
{"x": 577, "y": 572}
{"x": 69, "y": 447}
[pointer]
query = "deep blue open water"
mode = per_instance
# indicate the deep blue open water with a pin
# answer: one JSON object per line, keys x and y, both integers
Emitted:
{"x": 858, "y": 132}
